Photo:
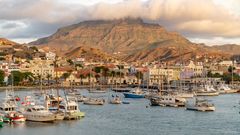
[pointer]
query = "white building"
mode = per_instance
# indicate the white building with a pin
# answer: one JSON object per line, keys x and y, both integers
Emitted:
{"x": 50, "y": 55}
{"x": 197, "y": 69}
{"x": 226, "y": 63}
{"x": 156, "y": 75}
{"x": 39, "y": 67}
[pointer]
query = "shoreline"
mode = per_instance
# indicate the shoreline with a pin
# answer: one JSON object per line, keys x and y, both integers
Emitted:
{"x": 18, "y": 88}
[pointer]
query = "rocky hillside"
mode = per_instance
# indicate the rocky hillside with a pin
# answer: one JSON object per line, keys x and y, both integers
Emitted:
{"x": 11, "y": 48}
{"x": 128, "y": 39}
{"x": 89, "y": 54}
{"x": 230, "y": 48}
{"x": 4, "y": 41}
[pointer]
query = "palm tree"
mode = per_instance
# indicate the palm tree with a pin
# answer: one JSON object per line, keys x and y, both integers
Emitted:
{"x": 48, "y": 78}
{"x": 39, "y": 78}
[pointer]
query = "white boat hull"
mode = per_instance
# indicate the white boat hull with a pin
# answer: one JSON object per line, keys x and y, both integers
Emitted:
{"x": 207, "y": 93}
{"x": 39, "y": 118}
{"x": 203, "y": 109}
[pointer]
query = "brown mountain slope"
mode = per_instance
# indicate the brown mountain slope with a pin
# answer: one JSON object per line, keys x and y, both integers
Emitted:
{"x": 4, "y": 41}
{"x": 17, "y": 50}
{"x": 129, "y": 39}
{"x": 230, "y": 48}
{"x": 89, "y": 54}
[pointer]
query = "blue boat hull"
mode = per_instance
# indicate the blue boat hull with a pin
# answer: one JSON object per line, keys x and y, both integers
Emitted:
{"x": 131, "y": 95}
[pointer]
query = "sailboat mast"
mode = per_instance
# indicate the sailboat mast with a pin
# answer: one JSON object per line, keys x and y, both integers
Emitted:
{"x": 232, "y": 71}
{"x": 56, "y": 78}
{"x": 41, "y": 79}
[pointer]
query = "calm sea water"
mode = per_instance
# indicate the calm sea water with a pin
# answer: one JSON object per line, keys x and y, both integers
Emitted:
{"x": 136, "y": 118}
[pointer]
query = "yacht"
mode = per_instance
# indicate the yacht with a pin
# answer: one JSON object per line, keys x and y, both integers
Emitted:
{"x": 71, "y": 109}
{"x": 200, "y": 105}
{"x": 38, "y": 113}
{"x": 168, "y": 100}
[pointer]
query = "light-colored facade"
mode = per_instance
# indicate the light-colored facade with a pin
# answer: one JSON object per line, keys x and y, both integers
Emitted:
{"x": 226, "y": 63}
{"x": 39, "y": 67}
{"x": 197, "y": 69}
{"x": 156, "y": 75}
{"x": 50, "y": 56}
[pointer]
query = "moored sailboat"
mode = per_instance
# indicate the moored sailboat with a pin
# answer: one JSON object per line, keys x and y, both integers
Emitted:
{"x": 200, "y": 105}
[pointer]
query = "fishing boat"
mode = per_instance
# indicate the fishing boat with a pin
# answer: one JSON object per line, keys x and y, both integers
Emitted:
{"x": 168, "y": 100}
{"x": 115, "y": 100}
{"x": 136, "y": 93}
{"x": 8, "y": 108}
{"x": 200, "y": 105}
{"x": 52, "y": 104}
{"x": 81, "y": 98}
{"x": 94, "y": 101}
{"x": 71, "y": 109}
{"x": 16, "y": 117}
{"x": 38, "y": 113}
{"x": 5, "y": 119}
{"x": 1, "y": 121}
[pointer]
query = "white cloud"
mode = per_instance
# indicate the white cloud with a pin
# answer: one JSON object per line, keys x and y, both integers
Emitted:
{"x": 193, "y": 18}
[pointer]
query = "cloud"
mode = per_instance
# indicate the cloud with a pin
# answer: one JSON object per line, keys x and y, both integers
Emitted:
{"x": 193, "y": 18}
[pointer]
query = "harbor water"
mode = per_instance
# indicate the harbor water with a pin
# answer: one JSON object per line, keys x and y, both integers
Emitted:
{"x": 138, "y": 118}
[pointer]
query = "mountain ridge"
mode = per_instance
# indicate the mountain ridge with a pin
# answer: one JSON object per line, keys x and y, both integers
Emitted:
{"x": 128, "y": 39}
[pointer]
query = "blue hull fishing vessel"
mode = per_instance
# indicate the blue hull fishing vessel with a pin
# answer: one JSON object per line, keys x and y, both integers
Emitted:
{"x": 137, "y": 93}
{"x": 133, "y": 95}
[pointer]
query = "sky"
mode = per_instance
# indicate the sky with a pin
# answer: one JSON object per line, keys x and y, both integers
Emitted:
{"x": 212, "y": 22}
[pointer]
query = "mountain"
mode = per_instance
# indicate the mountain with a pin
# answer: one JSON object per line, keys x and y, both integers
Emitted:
{"x": 4, "y": 41}
{"x": 128, "y": 39}
{"x": 89, "y": 54}
{"x": 230, "y": 48}
{"x": 9, "y": 48}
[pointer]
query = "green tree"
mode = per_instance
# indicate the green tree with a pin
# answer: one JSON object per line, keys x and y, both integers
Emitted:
{"x": 230, "y": 69}
{"x": 2, "y": 75}
{"x": 139, "y": 75}
{"x": 48, "y": 78}
{"x": 28, "y": 76}
{"x": 70, "y": 62}
{"x": 65, "y": 75}
{"x": 15, "y": 76}
{"x": 34, "y": 48}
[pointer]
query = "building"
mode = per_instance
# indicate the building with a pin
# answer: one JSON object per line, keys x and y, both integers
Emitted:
{"x": 156, "y": 75}
{"x": 50, "y": 56}
{"x": 197, "y": 69}
{"x": 39, "y": 67}
{"x": 226, "y": 63}
{"x": 59, "y": 71}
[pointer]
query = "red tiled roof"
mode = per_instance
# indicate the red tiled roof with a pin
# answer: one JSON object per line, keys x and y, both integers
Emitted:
{"x": 61, "y": 69}
{"x": 85, "y": 72}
